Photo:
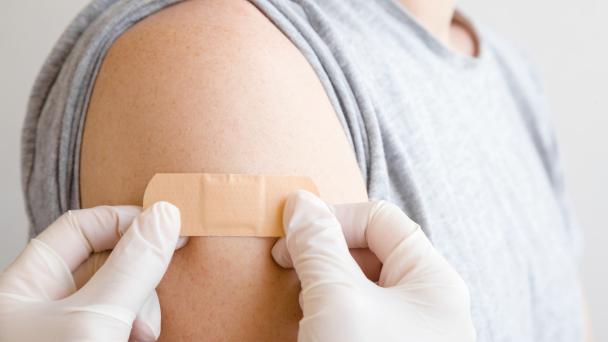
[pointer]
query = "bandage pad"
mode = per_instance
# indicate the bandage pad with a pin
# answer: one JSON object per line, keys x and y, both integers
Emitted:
{"x": 216, "y": 204}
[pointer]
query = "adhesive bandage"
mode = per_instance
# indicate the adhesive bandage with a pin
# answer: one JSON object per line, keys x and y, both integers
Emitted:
{"x": 226, "y": 204}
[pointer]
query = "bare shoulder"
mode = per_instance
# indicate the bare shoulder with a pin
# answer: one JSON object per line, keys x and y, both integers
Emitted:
{"x": 213, "y": 86}
{"x": 210, "y": 86}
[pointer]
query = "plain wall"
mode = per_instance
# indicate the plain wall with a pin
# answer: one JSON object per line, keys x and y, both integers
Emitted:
{"x": 566, "y": 39}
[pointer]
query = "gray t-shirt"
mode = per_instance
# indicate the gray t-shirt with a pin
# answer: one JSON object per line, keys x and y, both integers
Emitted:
{"x": 462, "y": 144}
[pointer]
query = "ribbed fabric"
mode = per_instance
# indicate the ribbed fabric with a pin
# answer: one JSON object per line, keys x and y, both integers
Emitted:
{"x": 462, "y": 144}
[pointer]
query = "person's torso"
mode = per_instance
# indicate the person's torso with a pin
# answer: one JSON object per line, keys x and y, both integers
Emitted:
{"x": 461, "y": 144}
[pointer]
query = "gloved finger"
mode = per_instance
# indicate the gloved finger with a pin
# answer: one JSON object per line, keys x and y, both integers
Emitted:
{"x": 387, "y": 231}
{"x": 406, "y": 253}
{"x": 136, "y": 265}
{"x": 280, "y": 254}
{"x": 78, "y": 233}
{"x": 378, "y": 225}
{"x": 44, "y": 268}
{"x": 182, "y": 241}
{"x": 146, "y": 327}
{"x": 386, "y": 227}
{"x": 352, "y": 218}
{"x": 315, "y": 241}
{"x": 38, "y": 273}
{"x": 367, "y": 260}
{"x": 85, "y": 271}
{"x": 414, "y": 260}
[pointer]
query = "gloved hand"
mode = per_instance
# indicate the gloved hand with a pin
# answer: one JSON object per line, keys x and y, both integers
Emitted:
{"x": 39, "y": 299}
{"x": 419, "y": 296}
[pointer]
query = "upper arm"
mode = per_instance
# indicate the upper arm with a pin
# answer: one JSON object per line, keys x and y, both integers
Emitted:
{"x": 210, "y": 87}
{"x": 213, "y": 86}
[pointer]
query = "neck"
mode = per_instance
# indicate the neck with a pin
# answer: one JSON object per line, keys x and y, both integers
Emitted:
{"x": 435, "y": 15}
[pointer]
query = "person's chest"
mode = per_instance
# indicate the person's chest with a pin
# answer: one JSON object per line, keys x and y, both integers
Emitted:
{"x": 460, "y": 158}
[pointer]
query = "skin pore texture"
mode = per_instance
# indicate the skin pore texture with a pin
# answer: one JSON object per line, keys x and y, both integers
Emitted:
{"x": 214, "y": 86}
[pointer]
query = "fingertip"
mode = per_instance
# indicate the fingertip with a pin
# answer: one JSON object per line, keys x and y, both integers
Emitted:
{"x": 354, "y": 219}
{"x": 167, "y": 208}
{"x": 292, "y": 200}
{"x": 142, "y": 332}
{"x": 182, "y": 241}
{"x": 280, "y": 254}
{"x": 168, "y": 216}
{"x": 388, "y": 220}
{"x": 314, "y": 244}
{"x": 298, "y": 199}
{"x": 146, "y": 326}
{"x": 384, "y": 213}
{"x": 299, "y": 196}
{"x": 139, "y": 260}
{"x": 125, "y": 214}
{"x": 313, "y": 238}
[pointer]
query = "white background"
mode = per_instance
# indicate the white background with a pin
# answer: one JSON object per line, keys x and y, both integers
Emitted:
{"x": 567, "y": 39}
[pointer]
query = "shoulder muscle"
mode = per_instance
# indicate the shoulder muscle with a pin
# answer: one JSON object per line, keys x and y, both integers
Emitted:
{"x": 210, "y": 86}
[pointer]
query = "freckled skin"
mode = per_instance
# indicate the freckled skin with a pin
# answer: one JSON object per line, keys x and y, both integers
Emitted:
{"x": 213, "y": 86}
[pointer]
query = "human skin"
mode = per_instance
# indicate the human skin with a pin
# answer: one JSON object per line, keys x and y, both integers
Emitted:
{"x": 436, "y": 16}
{"x": 213, "y": 86}
{"x": 230, "y": 95}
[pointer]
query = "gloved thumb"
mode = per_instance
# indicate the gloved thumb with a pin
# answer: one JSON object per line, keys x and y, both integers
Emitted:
{"x": 135, "y": 266}
{"x": 315, "y": 242}
{"x": 407, "y": 255}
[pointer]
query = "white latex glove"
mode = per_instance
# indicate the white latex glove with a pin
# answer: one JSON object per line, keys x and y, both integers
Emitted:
{"x": 418, "y": 298}
{"x": 39, "y": 299}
